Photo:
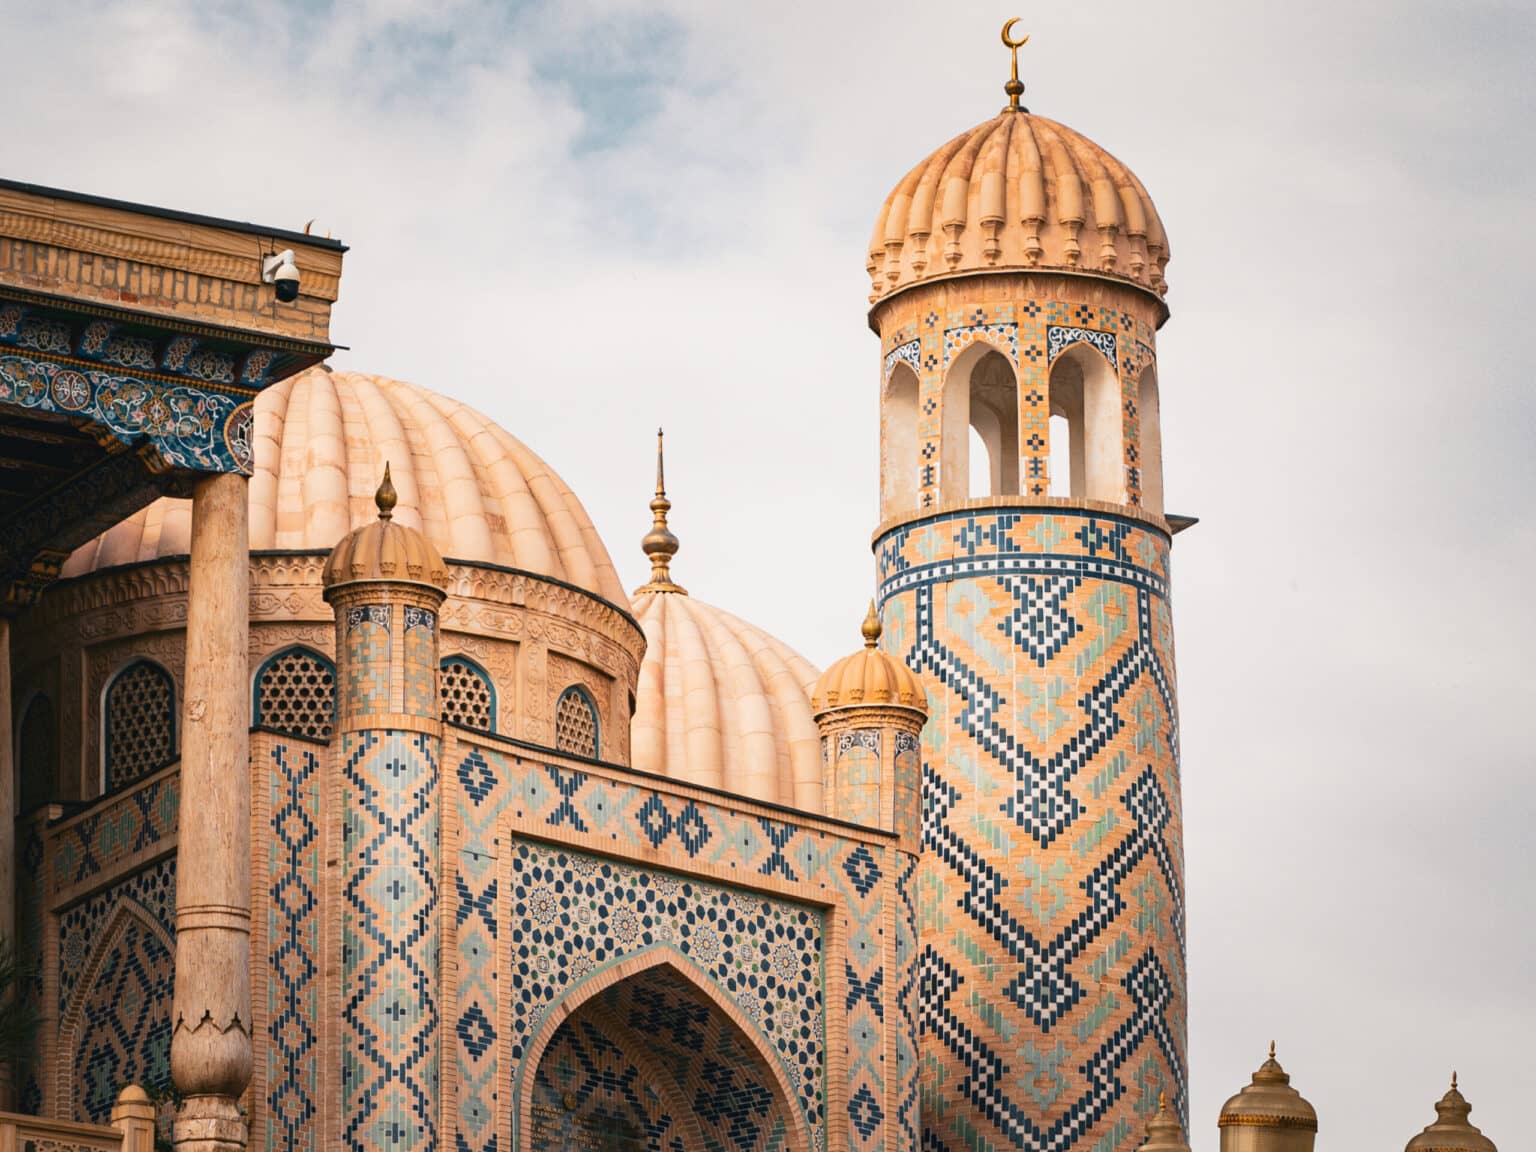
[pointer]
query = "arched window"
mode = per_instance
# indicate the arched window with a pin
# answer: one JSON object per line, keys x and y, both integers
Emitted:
{"x": 39, "y": 759}
{"x": 576, "y": 723}
{"x": 296, "y": 693}
{"x": 468, "y": 696}
{"x": 981, "y": 395}
{"x": 140, "y": 724}
{"x": 900, "y": 471}
{"x": 1150, "y": 455}
{"x": 1085, "y": 391}
{"x": 1061, "y": 454}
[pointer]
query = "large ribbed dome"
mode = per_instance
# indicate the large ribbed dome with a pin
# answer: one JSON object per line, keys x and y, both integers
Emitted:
{"x": 1018, "y": 192}
{"x": 723, "y": 704}
{"x": 322, "y": 439}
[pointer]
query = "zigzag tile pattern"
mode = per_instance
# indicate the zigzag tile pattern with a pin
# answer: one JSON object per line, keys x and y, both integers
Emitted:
{"x": 1050, "y": 895}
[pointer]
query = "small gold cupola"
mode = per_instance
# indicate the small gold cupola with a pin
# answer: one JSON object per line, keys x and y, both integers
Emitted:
{"x": 869, "y": 678}
{"x": 384, "y": 550}
{"x": 659, "y": 544}
{"x": 1268, "y": 1115}
{"x": 1452, "y": 1131}
{"x": 1164, "y": 1132}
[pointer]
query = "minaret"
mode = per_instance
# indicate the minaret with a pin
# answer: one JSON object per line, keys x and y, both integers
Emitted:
{"x": 870, "y": 709}
{"x": 386, "y": 584}
{"x": 1268, "y": 1115}
{"x": 1022, "y": 562}
{"x": 1452, "y": 1131}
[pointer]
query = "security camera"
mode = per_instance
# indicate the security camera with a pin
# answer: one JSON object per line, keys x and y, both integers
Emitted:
{"x": 283, "y": 274}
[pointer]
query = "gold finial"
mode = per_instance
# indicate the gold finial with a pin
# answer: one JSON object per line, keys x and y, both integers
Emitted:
{"x": 1453, "y": 1081}
{"x": 659, "y": 544}
{"x": 1271, "y": 1049}
{"x": 1014, "y": 88}
{"x": 871, "y": 627}
{"x": 1162, "y": 1103}
{"x": 386, "y": 497}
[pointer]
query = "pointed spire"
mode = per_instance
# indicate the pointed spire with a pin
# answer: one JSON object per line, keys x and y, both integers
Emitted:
{"x": 871, "y": 627}
{"x": 386, "y": 497}
{"x": 659, "y": 545}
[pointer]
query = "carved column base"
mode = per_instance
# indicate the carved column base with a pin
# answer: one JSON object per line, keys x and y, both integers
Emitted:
{"x": 209, "y": 1124}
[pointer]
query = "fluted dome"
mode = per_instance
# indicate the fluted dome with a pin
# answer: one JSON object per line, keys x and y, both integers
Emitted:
{"x": 1452, "y": 1131}
{"x": 719, "y": 702}
{"x": 321, "y": 441}
{"x": 1018, "y": 192}
{"x": 384, "y": 550}
{"x": 869, "y": 677}
{"x": 1269, "y": 1101}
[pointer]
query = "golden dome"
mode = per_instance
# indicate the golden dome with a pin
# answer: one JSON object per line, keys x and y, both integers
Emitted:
{"x": 869, "y": 677}
{"x": 1164, "y": 1133}
{"x": 719, "y": 702}
{"x": 1452, "y": 1132}
{"x": 1269, "y": 1102}
{"x": 384, "y": 550}
{"x": 1018, "y": 192}
{"x": 322, "y": 439}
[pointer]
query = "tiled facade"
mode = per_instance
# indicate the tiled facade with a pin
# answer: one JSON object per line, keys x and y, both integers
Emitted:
{"x": 1050, "y": 890}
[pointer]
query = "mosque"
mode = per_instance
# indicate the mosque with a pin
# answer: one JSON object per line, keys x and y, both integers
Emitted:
{"x": 357, "y": 805}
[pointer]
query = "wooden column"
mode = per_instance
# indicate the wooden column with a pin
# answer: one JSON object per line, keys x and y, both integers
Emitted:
{"x": 7, "y": 792}
{"x": 211, "y": 1041}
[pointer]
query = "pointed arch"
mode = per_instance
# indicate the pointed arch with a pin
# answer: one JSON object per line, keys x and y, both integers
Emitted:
{"x": 116, "y": 1028}
{"x": 1084, "y": 389}
{"x": 468, "y": 694}
{"x": 294, "y": 691}
{"x": 981, "y": 392}
{"x": 138, "y": 722}
{"x": 661, "y": 961}
{"x": 900, "y": 468}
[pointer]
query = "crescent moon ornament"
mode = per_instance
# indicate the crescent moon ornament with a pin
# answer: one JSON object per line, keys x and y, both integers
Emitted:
{"x": 1014, "y": 88}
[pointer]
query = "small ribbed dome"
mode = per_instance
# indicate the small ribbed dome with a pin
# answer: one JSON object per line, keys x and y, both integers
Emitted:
{"x": 723, "y": 704}
{"x": 869, "y": 677}
{"x": 1164, "y": 1132}
{"x": 322, "y": 439}
{"x": 1452, "y": 1131}
{"x": 1269, "y": 1102}
{"x": 384, "y": 550}
{"x": 1019, "y": 192}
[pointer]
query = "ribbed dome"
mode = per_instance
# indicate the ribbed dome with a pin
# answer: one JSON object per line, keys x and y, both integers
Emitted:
{"x": 723, "y": 704}
{"x": 321, "y": 441}
{"x": 384, "y": 550}
{"x": 1018, "y": 192}
{"x": 869, "y": 677}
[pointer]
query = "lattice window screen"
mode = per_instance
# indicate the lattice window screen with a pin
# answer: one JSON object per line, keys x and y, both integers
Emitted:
{"x": 467, "y": 695}
{"x": 141, "y": 723}
{"x": 576, "y": 723}
{"x": 296, "y": 693}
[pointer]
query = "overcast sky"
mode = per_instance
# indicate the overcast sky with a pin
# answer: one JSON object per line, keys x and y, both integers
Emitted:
{"x": 589, "y": 218}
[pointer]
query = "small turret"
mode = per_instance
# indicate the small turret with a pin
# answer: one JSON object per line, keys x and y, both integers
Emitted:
{"x": 1452, "y": 1131}
{"x": 1164, "y": 1132}
{"x": 1268, "y": 1115}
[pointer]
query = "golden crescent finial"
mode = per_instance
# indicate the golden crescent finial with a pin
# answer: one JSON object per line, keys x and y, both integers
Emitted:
{"x": 1014, "y": 88}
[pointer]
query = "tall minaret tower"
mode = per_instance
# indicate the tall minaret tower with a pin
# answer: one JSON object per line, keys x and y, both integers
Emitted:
{"x": 1023, "y": 574}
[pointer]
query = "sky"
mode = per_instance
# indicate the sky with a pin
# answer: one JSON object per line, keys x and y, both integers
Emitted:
{"x": 590, "y": 218}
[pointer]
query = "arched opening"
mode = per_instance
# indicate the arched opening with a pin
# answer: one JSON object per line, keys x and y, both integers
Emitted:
{"x": 980, "y": 426}
{"x": 295, "y": 693}
{"x": 900, "y": 470}
{"x": 1149, "y": 414}
{"x": 38, "y": 759}
{"x": 654, "y": 1058}
{"x": 576, "y": 723}
{"x": 139, "y": 724}
{"x": 468, "y": 696}
{"x": 1061, "y": 454}
{"x": 1085, "y": 392}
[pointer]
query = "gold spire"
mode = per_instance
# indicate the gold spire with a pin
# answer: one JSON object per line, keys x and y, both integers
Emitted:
{"x": 871, "y": 627}
{"x": 659, "y": 544}
{"x": 1014, "y": 88}
{"x": 386, "y": 497}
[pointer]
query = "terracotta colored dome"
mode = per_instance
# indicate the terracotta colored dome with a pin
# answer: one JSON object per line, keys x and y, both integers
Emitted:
{"x": 322, "y": 440}
{"x": 1018, "y": 192}
{"x": 869, "y": 676}
{"x": 719, "y": 702}
{"x": 384, "y": 550}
